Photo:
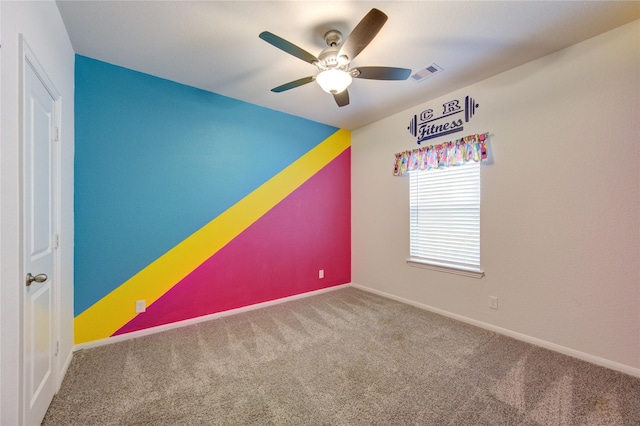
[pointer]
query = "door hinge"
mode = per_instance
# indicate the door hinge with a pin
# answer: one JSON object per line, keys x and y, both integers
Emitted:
{"x": 57, "y": 348}
{"x": 56, "y": 241}
{"x": 56, "y": 134}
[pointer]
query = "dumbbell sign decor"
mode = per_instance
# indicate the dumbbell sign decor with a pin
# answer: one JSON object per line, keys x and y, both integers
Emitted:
{"x": 454, "y": 115}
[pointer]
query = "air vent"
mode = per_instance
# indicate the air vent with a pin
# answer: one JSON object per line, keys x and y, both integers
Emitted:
{"x": 427, "y": 72}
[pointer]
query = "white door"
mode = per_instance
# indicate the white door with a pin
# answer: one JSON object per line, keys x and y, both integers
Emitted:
{"x": 39, "y": 221}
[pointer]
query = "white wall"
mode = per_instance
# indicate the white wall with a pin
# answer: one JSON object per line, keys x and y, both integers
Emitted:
{"x": 44, "y": 31}
{"x": 560, "y": 225}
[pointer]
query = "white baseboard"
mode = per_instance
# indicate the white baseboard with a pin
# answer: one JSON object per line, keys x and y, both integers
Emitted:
{"x": 191, "y": 321}
{"x": 632, "y": 371}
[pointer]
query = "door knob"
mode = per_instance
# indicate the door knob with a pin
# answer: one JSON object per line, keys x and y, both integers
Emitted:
{"x": 40, "y": 278}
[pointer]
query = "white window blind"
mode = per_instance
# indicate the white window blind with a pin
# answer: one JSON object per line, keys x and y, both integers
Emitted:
{"x": 445, "y": 217}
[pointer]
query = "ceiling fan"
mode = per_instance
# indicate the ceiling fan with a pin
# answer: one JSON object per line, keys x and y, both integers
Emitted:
{"x": 333, "y": 63}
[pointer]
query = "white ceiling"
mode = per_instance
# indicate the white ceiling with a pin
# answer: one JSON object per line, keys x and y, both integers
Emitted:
{"x": 214, "y": 45}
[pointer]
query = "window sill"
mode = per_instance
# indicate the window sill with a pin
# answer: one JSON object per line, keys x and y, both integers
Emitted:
{"x": 441, "y": 267}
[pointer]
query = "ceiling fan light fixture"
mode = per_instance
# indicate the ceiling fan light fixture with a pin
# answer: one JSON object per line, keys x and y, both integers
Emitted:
{"x": 334, "y": 81}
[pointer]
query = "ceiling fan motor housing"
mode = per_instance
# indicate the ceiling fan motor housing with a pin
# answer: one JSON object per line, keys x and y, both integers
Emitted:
{"x": 329, "y": 59}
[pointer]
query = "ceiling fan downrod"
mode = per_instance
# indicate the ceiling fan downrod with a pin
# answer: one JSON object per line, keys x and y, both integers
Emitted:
{"x": 333, "y": 38}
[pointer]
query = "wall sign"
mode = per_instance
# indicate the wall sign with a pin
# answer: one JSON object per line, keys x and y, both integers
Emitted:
{"x": 454, "y": 115}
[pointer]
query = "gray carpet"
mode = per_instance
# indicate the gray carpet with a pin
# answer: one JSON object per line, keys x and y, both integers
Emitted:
{"x": 345, "y": 357}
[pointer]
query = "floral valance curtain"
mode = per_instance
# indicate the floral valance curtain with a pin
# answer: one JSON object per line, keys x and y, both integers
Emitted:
{"x": 447, "y": 154}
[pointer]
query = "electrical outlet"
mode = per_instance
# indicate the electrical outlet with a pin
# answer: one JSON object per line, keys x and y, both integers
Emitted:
{"x": 141, "y": 306}
{"x": 321, "y": 273}
{"x": 493, "y": 302}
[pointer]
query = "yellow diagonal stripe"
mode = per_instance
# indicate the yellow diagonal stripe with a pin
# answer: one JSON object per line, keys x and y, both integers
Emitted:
{"x": 117, "y": 308}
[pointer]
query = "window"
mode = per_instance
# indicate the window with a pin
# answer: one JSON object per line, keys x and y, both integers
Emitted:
{"x": 445, "y": 219}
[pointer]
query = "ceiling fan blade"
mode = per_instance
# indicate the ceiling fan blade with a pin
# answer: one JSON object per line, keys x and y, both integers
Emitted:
{"x": 288, "y": 47}
{"x": 363, "y": 33}
{"x": 293, "y": 84}
{"x": 342, "y": 98}
{"x": 382, "y": 73}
